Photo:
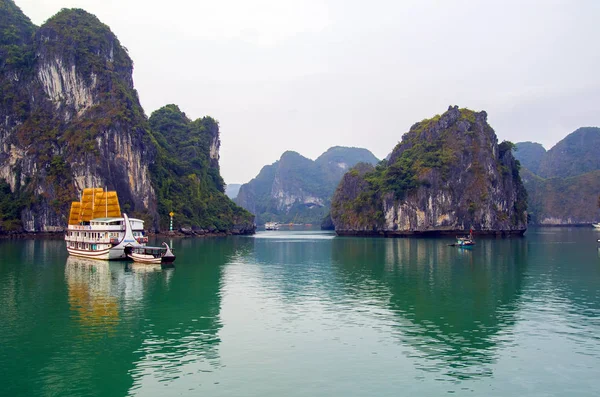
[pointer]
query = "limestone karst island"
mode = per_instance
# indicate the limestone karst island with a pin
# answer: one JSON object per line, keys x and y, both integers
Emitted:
{"x": 299, "y": 198}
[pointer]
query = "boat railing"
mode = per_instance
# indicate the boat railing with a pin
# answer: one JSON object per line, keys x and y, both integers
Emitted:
{"x": 81, "y": 239}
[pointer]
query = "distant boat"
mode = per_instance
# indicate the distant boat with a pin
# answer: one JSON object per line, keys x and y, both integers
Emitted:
{"x": 596, "y": 225}
{"x": 465, "y": 242}
{"x": 271, "y": 226}
{"x": 152, "y": 255}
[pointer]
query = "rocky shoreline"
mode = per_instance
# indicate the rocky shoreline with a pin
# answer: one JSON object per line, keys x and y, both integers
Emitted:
{"x": 182, "y": 233}
{"x": 430, "y": 233}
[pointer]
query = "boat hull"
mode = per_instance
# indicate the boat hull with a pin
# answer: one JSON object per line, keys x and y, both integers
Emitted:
{"x": 106, "y": 254}
{"x": 149, "y": 259}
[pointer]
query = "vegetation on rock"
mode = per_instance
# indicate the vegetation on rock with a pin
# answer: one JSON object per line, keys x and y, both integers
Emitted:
{"x": 72, "y": 118}
{"x": 183, "y": 178}
{"x": 563, "y": 201}
{"x": 576, "y": 154}
{"x": 447, "y": 173}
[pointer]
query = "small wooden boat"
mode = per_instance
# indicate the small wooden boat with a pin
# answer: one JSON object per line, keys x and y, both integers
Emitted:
{"x": 152, "y": 255}
{"x": 464, "y": 242}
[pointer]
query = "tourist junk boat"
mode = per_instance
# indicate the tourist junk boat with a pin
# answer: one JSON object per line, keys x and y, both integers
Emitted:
{"x": 97, "y": 230}
{"x": 271, "y": 226}
{"x": 152, "y": 255}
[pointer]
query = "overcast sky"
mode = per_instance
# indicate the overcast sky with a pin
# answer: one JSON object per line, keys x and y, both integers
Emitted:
{"x": 307, "y": 75}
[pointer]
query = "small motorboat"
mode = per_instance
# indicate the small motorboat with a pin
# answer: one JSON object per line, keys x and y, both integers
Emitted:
{"x": 464, "y": 242}
{"x": 152, "y": 255}
{"x": 596, "y": 225}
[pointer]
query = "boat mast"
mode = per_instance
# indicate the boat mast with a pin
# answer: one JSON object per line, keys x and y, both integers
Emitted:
{"x": 93, "y": 197}
{"x": 105, "y": 202}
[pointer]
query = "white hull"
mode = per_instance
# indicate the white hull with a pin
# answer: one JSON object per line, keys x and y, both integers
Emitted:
{"x": 80, "y": 247}
{"x": 596, "y": 225}
{"x": 107, "y": 254}
{"x": 140, "y": 258}
{"x": 152, "y": 255}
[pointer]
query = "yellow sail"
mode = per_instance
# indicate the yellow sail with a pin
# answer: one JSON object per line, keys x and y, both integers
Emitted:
{"x": 87, "y": 203}
{"x": 95, "y": 203}
{"x": 114, "y": 209}
{"x": 106, "y": 204}
{"x": 75, "y": 214}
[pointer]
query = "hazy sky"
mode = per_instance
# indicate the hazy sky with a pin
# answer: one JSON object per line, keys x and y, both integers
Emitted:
{"x": 307, "y": 75}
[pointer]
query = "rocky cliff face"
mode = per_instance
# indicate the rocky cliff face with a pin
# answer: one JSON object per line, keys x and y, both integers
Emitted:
{"x": 297, "y": 189}
{"x": 71, "y": 118}
{"x": 449, "y": 174}
{"x": 563, "y": 201}
{"x": 77, "y": 122}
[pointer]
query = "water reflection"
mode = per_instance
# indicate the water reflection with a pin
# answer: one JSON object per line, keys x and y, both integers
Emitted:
{"x": 452, "y": 306}
{"x": 263, "y": 315}
{"x": 90, "y": 298}
{"x": 182, "y": 315}
{"x": 160, "y": 325}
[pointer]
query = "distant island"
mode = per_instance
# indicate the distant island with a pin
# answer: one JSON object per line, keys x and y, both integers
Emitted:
{"x": 296, "y": 189}
{"x": 447, "y": 175}
{"x": 72, "y": 119}
{"x": 563, "y": 183}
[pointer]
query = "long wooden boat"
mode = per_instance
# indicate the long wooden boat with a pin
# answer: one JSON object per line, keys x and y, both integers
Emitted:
{"x": 152, "y": 255}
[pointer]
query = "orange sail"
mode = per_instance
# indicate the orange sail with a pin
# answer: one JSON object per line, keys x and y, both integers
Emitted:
{"x": 75, "y": 214}
{"x": 87, "y": 203}
{"x": 106, "y": 205}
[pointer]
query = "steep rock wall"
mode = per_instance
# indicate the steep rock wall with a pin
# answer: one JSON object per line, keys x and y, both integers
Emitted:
{"x": 78, "y": 123}
{"x": 70, "y": 118}
{"x": 446, "y": 176}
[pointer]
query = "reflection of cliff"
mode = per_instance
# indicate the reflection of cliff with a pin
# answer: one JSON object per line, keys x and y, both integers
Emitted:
{"x": 182, "y": 320}
{"x": 450, "y": 305}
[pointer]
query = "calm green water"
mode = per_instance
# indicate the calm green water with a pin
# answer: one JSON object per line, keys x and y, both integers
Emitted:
{"x": 304, "y": 313}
